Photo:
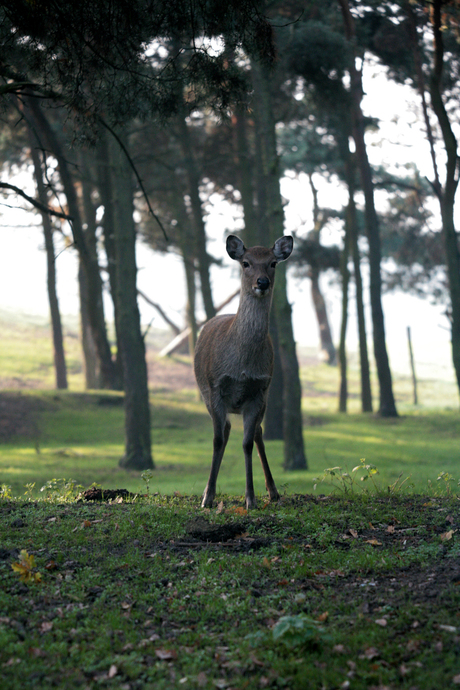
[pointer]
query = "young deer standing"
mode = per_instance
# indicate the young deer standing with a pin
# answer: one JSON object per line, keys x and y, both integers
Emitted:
{"x": 234, "y": 362}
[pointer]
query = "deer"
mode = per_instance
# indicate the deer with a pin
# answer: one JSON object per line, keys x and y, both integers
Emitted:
{"x": 234, "y": 362}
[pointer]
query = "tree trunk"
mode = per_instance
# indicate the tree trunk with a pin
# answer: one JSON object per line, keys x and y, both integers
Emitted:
{"x": 197, "y": 214}
{"x": 104, "y": 184}
{"x": 447, "y": 194}
{"x": 58, "y": 341}
{"x": 345, "y": 275}
{"x": 243, "y": 161}
{"x": 89, "y": 261}
{"x": 327, "y": 346}
{"x": 294, "y": 453}
{"x": 186, "y": 247}
{"x": 387, "y": 402}
{"x": 328, "y": 352}
{"x": 352, "y": 229}
{"x": 138, "y": 454}
{"x": 90, "y": 358}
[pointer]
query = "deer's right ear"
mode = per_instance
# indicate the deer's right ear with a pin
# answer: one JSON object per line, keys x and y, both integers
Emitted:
{"x": 235, "y": 247}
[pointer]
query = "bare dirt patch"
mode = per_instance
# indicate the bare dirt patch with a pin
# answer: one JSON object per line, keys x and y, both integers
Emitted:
{"x": 19, "y": 416}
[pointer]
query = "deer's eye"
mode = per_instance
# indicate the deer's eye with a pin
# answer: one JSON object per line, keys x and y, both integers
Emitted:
{"x": 274, "y": 264}
{"x": 245, "y": 264}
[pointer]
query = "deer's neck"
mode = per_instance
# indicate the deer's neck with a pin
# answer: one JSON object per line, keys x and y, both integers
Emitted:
{"x": 252, "y": 319}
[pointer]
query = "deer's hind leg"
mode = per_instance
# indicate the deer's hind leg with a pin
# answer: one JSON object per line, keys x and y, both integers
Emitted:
{"x": 222, "y": 428}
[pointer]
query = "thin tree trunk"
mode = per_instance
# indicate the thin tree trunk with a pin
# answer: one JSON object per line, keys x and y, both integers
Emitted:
{"x": 138, "y": 455}
{"x": 243, "y": 161}
{"x": 186, "y": 247}
{"x": 89, "y": 261}
{"x": 319, "y": 303}
{"x": 387, "y": 402}
{"x": 197, "y": 213}
{"x": 90, "y": 358}
{"x": 345, "y": 275}
{"x": 104, "y": 184}
{"x": 58, "y": 341}
{"x": 447, "y": 195}
{"x": 294, "y": 452}
{"x": 352, "y": 229}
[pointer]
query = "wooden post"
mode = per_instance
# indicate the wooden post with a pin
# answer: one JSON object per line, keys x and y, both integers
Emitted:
{"x": 412, "y": 366}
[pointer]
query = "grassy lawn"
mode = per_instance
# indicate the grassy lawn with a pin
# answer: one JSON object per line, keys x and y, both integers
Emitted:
{"x": 342, "y": 584}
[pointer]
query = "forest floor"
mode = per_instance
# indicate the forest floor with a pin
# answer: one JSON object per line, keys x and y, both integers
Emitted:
{"x": 153, "y": 592}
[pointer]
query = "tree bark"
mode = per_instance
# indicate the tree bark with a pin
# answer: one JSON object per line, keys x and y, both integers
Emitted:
{"x": 89, "y": 261}
{"x": 387, "y": 402}
{"x": 294, "y": 452}
{"x": 138, "y": 455}
{"x": 58, "y": 340}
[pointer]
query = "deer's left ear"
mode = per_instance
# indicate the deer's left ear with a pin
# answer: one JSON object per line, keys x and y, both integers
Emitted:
{"x": 282, "y": 249}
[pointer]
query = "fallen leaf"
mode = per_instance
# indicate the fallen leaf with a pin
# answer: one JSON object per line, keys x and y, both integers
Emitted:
{"x": 446, "y": 536}
{"x": 46, "y": 626}
{"x": 339, "y": 649}
{"x": 323, "y": 617}
{"x": 12, "y": 661}
{"x": 448, "y": 628}
{"x": 382, "y": 622}
{"x": 86, "y": 523}
{"x": 371, "y": 652}
{"x": 220, "y": 507}
{"x": 112, "y": 671}
{"x": 450, "y": 519}
{"x": 202, "y": 679}
{"x": 52, "y": 565}
{"x": 266, "y": 563}
{"x": 166, "y": 654}
{"x": 455, "y": 679}
{"x": 373, "y": 542}
{"x": 371, "y": 526}
{"x": 35, "y": 652}
{"x": 391, "y": 529}
{"x": 353, "y": 533}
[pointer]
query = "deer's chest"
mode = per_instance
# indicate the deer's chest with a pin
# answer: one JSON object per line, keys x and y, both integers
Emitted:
{"x": 237, "y": 393}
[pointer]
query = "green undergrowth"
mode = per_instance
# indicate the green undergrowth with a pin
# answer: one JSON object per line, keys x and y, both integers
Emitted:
{"x": 81, "y": 435}
{"x": 355, "y": 591}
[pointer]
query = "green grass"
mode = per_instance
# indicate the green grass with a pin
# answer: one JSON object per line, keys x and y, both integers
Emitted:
{"x": 306, "y": 593}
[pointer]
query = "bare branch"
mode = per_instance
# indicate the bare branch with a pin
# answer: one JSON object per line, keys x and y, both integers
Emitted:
{"x": 41, "y": 207}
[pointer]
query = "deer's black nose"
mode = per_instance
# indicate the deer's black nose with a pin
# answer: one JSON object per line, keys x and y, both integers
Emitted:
{"x": 263, "y": 283}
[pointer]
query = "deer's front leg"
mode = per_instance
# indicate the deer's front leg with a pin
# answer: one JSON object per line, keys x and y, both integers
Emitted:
{"x": 251, "y": 421}
{"x": 269, "y": 482}
{"x": 221, "y": 433}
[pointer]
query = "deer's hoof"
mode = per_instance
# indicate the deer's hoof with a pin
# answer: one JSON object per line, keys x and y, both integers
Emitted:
{"x": 206, "y": 502}
{"x": 274, "y": 496}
